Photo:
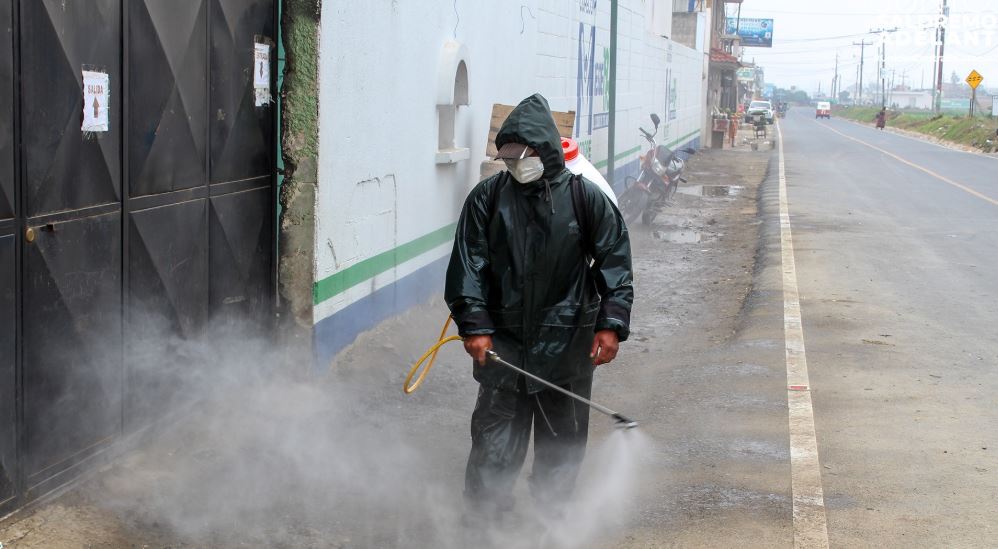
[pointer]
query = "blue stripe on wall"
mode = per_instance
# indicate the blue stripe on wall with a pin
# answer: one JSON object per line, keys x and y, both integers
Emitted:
{"x": 333, "y": 334}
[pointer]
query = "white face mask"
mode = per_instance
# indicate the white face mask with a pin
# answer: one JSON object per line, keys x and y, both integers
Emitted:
{"x": 526, "y": 170}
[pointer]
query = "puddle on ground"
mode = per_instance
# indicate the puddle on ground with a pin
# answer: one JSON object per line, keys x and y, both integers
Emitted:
{"x": 681, "y": 237}
{"x": 712, "y": 191}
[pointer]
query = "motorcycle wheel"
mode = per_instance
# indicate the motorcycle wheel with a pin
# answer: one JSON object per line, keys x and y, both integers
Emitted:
{"x": 648, "y": 216}
{"x": 633, "y": 203}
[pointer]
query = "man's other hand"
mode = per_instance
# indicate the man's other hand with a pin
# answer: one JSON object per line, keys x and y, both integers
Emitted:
{"x": 605, "y": 346}
{"x": 476, "y": 345}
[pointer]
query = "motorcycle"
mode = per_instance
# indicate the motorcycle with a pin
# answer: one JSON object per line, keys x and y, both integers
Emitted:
{"x": 656, "y": 184}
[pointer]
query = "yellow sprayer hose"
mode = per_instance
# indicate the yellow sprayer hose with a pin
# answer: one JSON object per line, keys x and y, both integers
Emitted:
{"x": 409, "y": 386}
{"x": 430, "y": 353}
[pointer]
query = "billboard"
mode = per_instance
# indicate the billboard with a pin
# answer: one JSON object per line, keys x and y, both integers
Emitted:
{"x": 753, "y": 32}
{"x": 745, "y": 74}
{"x": 954, "y": 104}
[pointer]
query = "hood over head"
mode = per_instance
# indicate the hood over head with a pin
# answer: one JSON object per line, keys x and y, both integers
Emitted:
{"x": 531, "y": 124}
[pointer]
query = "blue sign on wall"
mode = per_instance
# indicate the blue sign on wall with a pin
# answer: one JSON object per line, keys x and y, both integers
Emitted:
{"x": 753, "y": 32}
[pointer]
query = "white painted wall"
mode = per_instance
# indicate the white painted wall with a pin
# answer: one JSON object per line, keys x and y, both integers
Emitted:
{"x": 379, "y": 183}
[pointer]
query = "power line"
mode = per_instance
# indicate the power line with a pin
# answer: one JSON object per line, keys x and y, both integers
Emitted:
{"x": 857, "y": 35}
{"x": 824, "y": 62}
{"x": 870, "y": 14}
{"x": 793, "y": 52}
{"x": 822, "y": 38}
{"x": 973, "y": 54}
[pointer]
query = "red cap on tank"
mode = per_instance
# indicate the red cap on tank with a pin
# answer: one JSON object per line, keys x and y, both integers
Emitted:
{"x": 570, "y": 147}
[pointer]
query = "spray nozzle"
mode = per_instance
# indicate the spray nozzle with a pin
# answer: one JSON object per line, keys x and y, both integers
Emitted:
{"x": 623, "y": 422}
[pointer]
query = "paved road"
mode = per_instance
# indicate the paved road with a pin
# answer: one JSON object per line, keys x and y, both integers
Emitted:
{"x": 896, "y": 246}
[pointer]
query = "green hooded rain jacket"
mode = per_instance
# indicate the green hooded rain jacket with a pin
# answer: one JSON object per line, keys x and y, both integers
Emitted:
{"x": 520, "y": 269}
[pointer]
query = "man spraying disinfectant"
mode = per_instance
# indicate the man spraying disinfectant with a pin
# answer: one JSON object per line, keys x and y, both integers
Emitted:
{"x": 541, "y": 275}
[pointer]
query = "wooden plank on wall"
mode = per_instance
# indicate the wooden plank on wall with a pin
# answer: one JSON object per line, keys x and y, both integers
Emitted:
{"x": 564, "y": 120}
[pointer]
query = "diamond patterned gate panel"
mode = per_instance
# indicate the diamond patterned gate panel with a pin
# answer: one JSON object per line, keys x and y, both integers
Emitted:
{"x": 64, "y": 170}
{"x": 242, "y": 159}
{"x": 168, "y": 289}
{"x": 240, "y": 254}
{"x": 168, "y": 96}
{"x": 72, "y": 256}
{"x": 167, "y": 253}
{"x": 8, "y": 264}
{"x": 72, "y": 345}
{"x": 6, "y": 115}
{"x": 241, "y": 133}
{"x": 8, "y": 386}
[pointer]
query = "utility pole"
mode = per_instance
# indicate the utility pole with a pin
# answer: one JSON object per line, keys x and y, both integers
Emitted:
{"x": 612, "y": 122}
{"x": 862, "y": 57}
{"x": 835, "y": 81}
{"x": 935, "y": 65}
{"x": 942, "y": 46}
{"x": 858, "y": 79}
{"x": 883, "y": 73}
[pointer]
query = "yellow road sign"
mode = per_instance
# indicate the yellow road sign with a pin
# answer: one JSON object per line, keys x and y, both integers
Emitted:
{"x": 974, "y": 79}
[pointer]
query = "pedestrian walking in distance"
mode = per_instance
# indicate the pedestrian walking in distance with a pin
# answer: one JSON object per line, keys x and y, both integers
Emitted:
{"x": 541, "y": 274}
{"x": 882, "y": 118}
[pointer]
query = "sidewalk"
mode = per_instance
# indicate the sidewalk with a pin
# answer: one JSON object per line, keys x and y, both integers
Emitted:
{"x": 349, "y": 461}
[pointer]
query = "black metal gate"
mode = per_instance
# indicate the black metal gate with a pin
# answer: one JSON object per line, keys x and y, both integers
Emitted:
{"x": 157, "y": 223}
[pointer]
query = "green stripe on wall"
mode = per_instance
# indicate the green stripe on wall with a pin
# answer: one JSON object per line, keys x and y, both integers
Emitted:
{"x": 369, "y": 268}
{"x": 602, "y": 163}
{"x": 681, "y": 139}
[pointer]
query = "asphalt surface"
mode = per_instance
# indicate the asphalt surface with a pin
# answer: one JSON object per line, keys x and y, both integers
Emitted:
{"x": 895, "y": 248}
{"x": 896, "y": 252}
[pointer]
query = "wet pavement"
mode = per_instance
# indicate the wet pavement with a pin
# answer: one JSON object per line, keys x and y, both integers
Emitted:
{"x": 713, "y": 191}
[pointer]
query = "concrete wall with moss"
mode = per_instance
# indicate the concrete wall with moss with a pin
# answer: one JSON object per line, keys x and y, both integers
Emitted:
{"x": 299, "y": 152}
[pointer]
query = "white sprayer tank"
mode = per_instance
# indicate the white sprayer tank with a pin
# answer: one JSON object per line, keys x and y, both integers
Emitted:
{"x": 577, "y": 164}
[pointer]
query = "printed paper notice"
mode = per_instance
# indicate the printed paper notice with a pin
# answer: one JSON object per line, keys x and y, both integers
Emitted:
{"x": 261, "y": 74}
{"x": 96, "y": 101}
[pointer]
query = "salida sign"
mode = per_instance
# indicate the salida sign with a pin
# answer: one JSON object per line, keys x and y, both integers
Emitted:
{"x": 96, "y": 101}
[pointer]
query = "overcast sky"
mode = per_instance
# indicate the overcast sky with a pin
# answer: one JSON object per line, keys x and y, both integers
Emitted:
{"x": 808, "y": 34}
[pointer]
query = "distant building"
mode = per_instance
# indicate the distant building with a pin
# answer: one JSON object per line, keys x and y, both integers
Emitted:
{"x": 914, "y": 99}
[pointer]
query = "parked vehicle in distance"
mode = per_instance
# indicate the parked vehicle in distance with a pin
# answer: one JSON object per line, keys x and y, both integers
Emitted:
{"x": 823, "y": 110}
{"x": 762, "y": 107}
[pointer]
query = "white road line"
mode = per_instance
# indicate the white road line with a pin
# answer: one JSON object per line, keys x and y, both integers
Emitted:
{"x": 810, "y": 523}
